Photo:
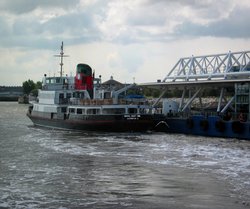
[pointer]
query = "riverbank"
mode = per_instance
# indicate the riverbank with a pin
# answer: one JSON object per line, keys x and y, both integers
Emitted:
{"x": 19, "y": 99}
{"x": 9, "y": 99}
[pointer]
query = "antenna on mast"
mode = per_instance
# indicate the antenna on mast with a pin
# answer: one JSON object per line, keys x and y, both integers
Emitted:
{"x": 62, "y": 56}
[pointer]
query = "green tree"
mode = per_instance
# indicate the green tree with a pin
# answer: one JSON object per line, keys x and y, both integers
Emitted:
{"x": 28, "y": 86}
{"x": 38, "y": 85}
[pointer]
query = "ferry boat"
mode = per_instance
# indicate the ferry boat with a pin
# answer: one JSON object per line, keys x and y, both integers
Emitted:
{"x": 82, "y": 103}
{"x": 227, "y": 74}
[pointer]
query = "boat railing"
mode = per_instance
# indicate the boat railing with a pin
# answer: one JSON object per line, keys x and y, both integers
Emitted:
{"x": 79, "y": 101}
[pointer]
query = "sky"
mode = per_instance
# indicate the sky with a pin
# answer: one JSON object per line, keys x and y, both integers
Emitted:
{"x": 132, "y": 40}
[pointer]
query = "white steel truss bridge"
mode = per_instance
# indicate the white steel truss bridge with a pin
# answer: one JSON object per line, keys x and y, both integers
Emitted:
{"x": 219, "y": 66}
{"x": 196, "y": 73}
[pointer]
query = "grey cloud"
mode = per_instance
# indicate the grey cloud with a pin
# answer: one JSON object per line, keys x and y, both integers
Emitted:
{"x": 5, "y": 29}
{"x": 75, "y": 23}
{"x": 24, "y": 6}
{"x": 76, "y": 28}
{"x": 73, "y": 28}
{"x": 40, "y": 42}
{"x": 235, "y": 26}
{"x": 84, "y": 26}
{"x": 160, "y": 14}
{"x": 208, "y": 9}
{"x": 26, "y": 27}
{"x": 198, "y": 4}
{"x": 145, "y": 20}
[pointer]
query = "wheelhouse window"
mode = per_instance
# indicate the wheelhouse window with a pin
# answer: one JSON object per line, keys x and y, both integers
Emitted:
{"x": 72, "y": 110}
{"x": 93, "y": 111}
{"x": 116, "y": 111}
{"x": 79, "y": 111}
{"x": 68, "y": 95}
{"x": 61, "y": 96}
{"x": 132, "y": 110}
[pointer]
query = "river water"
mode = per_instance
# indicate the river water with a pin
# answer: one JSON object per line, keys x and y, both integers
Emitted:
{"x": 41, "y": 168}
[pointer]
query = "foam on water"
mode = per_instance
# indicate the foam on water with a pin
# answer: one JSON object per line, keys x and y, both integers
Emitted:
{"x": 228, "y": 159}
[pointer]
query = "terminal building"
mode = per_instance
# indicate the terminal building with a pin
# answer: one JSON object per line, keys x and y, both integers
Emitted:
{"x": 10, "y": 93}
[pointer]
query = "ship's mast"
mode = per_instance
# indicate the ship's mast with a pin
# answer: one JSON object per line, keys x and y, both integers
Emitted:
{"x": 61, "y": 55}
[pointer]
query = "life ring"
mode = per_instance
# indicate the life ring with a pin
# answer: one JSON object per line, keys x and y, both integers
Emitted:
{"x": 220, "y": 125}
{"x": 204, "y": 125}
{"x": 190, "y": 123}
{"x": 237, "y": 127}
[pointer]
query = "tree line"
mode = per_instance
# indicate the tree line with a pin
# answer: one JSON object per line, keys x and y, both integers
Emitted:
{"x": 30, "y": 87}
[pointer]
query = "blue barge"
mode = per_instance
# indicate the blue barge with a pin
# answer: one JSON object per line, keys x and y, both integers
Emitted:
{"x": 213, "y": 126}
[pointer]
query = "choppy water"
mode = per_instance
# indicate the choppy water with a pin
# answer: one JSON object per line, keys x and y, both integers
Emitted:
{"x": 41, "y": 168}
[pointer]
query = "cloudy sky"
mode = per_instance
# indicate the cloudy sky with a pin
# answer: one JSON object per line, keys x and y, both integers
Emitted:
{"x": 137, "y": 40}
